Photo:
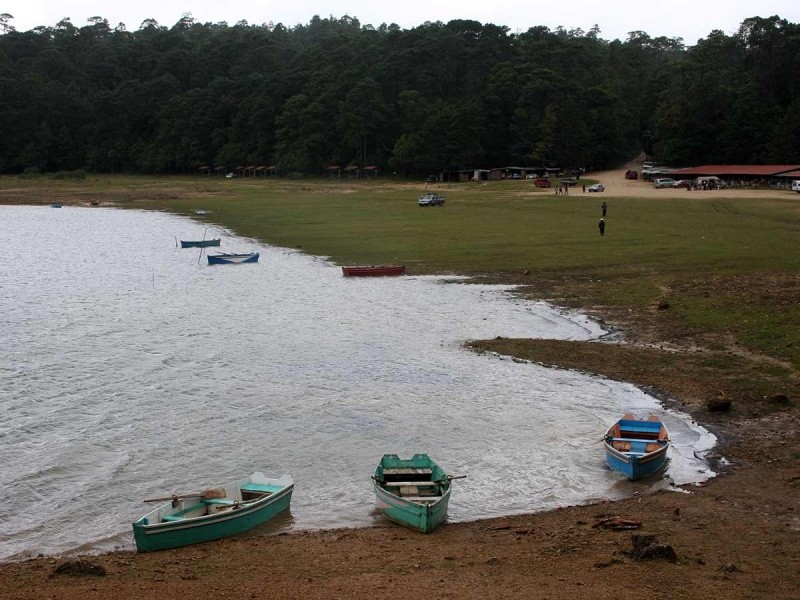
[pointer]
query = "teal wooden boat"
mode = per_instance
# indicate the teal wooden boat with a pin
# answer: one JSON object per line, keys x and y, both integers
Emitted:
{"x": 213, "y": 514}
{"x": 414, "y": 492}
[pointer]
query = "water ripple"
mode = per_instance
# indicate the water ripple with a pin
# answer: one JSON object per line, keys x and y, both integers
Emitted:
{"x": 133, "y": 370}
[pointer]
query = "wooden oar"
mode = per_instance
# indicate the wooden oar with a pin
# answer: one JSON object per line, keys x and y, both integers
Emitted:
{"x": 211, "y": 493}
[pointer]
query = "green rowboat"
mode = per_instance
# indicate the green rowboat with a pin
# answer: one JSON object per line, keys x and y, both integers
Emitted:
{"x": 213, "y": 514}
{"x": 414, "y": 493}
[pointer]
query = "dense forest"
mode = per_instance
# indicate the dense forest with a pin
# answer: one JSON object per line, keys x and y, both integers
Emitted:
{"x": 440, "y": 96}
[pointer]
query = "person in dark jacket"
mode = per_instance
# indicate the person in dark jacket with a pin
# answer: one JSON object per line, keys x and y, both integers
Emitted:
{"x": 604, "y": 207}
{"x": 602, "y": 226}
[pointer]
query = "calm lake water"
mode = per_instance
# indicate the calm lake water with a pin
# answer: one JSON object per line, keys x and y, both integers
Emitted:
{"x": 131, "y": 369}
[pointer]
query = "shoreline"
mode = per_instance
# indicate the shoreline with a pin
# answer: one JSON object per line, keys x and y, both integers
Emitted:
{"x": 738, "y": 535}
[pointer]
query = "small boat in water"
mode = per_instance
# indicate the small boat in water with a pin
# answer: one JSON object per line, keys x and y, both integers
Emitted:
{"x": 213, "y": 514}
{"x": 374, "y": 271}
{"x": 636, "y": 447}
{"x": 413, "y": 492}
{"x": 232, "y": 259}
{"x": 199, "y": 243}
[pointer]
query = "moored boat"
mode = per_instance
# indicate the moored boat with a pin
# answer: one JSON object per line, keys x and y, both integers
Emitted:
{"x": 412, "y": 492}
{"x": 199, "y": 243}
{"x": 213, "y": 514}
{"x": 231, "y": 259}
{"x": 636, "y": 447}
{"x": 55, "y": 204}
{"x": 374, "y": 270}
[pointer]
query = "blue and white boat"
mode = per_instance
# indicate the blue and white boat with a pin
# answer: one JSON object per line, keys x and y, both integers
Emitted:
{"x": 213, "y": 514}
{"x": 636, "y": 447}
{"x": 231, "y": 259}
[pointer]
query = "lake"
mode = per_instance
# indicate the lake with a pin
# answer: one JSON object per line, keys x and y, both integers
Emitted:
{"x": 132, "y": 369}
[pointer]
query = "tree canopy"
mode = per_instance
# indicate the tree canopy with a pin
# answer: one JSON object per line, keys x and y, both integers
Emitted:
{"x": 439, "y": 96}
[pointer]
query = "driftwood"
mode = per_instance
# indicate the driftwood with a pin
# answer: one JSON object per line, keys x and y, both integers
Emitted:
{"x": 617, "y": 524}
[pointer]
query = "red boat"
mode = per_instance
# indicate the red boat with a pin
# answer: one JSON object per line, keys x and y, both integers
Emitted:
{"x": 374, "y": 271}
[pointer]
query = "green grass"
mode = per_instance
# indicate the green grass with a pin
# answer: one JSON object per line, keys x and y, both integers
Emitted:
{"x": 505, "y": 228}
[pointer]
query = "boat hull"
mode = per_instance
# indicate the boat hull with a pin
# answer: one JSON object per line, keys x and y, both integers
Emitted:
{"x": 163, "y": 535}
{"x": 199, "y": 243}
{"x": 374, "y": 271}
{"x": 636, "y": 448}
{"x": 634, "y": 467}
{"x": 398, "y": 496}
{"x": 421, "y": 518}
{"x": 232, "y": 259}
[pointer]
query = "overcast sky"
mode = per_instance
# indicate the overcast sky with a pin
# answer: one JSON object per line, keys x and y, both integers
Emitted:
{"x": 689, "y": 19}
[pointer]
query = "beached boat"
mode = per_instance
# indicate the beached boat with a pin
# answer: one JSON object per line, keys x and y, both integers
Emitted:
{"x": 199, "y": 243}
{"x": 55, "y": 204}
{"x": 374, "y": 270}
{"x": 213, "y": 514}
{"x": 414, "y": 492}
{"x": 636, "y": 447}
{"x": 231, "y": 259}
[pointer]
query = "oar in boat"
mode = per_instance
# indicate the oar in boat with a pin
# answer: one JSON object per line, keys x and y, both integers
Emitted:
{"x": 450, "y": 478}
{"x": 212, "y": 493}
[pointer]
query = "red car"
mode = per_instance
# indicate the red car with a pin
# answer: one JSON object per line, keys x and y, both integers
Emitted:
{"x": 542, "y": 182}
{"x": 632, "y": 174}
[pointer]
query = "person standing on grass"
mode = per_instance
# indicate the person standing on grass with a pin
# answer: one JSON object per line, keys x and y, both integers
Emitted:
{"x": 602, "y": 226}
{"x": 604, "y": 206}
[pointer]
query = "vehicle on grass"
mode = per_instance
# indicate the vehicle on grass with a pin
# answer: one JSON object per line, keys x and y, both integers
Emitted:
{"x": 631, "y": 174}
{"x": 596, "y": 187}
{"x": 431, "y": 199}
{"x": 542, "y": 182}
{"x": 664, "y": 182}
{"x": 796, "y": 186}
{"x": 683, "y": 183}
{"x": 567, "y": 181}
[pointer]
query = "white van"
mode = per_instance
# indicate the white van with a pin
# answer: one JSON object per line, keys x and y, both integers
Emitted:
{"x": 796, "y": 186}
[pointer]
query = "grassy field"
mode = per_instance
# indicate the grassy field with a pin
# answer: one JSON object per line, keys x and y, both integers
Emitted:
{"x": 726, "y": 268}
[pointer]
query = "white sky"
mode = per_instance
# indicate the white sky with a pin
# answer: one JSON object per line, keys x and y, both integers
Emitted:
{"x": 689, "y": 19}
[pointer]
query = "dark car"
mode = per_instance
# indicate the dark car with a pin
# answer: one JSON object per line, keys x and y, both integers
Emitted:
{"x": 569, "y": 181}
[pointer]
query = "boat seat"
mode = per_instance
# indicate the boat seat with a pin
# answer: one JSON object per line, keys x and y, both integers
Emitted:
{"x": 426, "y": 499}
{"x": 181, "y": 514}
{"x": 261, "y": 488}
{"x": 223, "y": 501}
{"x": 625, "y": 439}
{"x": 409, "y": 483}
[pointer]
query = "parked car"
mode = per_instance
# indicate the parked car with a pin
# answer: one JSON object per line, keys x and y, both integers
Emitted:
{"x": 631, "y": 174}
{"x": 683, "y": 183}
{"x": 431, "y": 199}
{"x": 542, "y": 183}
{"x": 596, "y": 187}
{"x": 567, "y": 181}
{"x": 664, "y": 182}
{"x": 796, "y": 186}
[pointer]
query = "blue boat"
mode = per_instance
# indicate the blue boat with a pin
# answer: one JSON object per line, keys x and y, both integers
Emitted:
{"x": 213, "y": 514}
{"x": 412, "y": 492}
{"x": 636, "y": 447}
{"x": 55, "y": 205}
{"x": 199, "y": 243}
{"x": 232, "y": 259}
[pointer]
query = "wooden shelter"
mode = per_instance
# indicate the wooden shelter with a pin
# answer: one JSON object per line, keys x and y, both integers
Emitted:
{"x": 335, "y": 171}
{"x": 371, "y": 172}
